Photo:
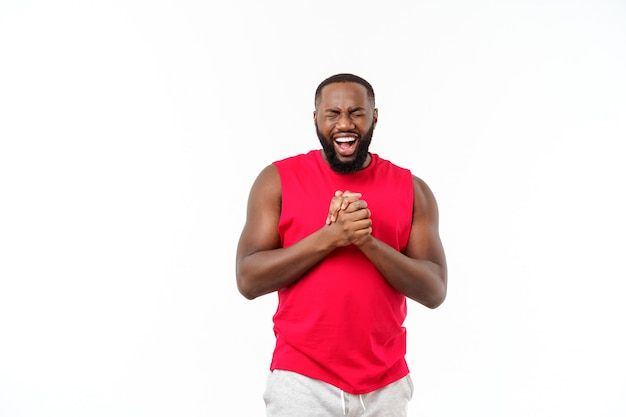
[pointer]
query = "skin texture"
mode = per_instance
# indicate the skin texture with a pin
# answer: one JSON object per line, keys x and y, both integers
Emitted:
{"x": 263, "y": 266}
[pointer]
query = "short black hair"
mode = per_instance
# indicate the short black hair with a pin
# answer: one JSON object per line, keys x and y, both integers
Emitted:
{"x": 346, "y": 78}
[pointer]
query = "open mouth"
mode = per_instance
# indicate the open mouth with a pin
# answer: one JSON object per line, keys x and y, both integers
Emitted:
{"x": 346, "y": 145}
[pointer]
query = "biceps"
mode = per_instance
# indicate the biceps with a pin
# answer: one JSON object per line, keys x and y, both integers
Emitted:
{"x": 425, "y": 243}
{"x": 261, "y": 229}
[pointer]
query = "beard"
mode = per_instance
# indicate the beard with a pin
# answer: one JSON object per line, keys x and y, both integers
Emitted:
{"x": 362, "y": 151}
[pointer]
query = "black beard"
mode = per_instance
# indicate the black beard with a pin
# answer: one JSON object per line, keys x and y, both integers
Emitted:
{"x": 362, "y": 151}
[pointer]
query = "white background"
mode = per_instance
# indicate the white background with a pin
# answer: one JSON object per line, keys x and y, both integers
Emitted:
{"x": 131, "y": 132}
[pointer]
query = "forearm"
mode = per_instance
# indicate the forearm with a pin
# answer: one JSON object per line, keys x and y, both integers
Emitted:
{"x": 424, "y": 281}
{"x": 266, "y": 271}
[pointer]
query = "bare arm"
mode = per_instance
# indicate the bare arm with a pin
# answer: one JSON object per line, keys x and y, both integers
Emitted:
{"x": 421, "y": 272}
{"x": 262, "y": 264}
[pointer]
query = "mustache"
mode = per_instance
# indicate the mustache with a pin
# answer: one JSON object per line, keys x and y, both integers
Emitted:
{"x": 361, "y": 154}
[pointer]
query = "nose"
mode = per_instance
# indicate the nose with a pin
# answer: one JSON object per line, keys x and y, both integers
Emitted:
{"x": 345, "y": 122}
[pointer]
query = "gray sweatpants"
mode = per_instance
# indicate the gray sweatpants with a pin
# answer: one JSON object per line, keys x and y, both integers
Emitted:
{"x": 289, "y": 394}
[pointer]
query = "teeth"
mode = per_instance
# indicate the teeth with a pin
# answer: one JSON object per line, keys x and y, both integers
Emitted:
{"x": 345, "y": 140}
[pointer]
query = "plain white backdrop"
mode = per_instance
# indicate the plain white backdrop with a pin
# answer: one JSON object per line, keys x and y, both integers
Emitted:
{"x": 131, "y": 132}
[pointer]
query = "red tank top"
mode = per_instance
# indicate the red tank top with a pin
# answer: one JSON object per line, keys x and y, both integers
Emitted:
{"x": 342, "y": 323}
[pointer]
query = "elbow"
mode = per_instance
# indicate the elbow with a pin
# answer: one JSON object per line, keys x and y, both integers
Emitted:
{"x": 431, "y": 300}
{"x": 243, "y": 282}
{"x": 246, "y": 290}
{"x": 439, "y": 291}
{"x": 253, "y": 281}
{"x": 437, "y": 297}
{"x": 248, "y": 295}
{"x": 247, "y": 284}
{"x": 435, "y": 302}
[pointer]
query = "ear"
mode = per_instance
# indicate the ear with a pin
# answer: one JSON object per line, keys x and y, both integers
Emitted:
{"x": 375, "y": 116}
{"x": 315, "y": 117}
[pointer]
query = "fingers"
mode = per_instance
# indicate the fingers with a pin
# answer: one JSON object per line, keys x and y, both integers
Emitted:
{"x": 340, "y": 201}
{"x": 356, "y": 206}
{"x": 348, "y": 197}
{"x": 349, "y": 217}
{"x": 353, "y": 225}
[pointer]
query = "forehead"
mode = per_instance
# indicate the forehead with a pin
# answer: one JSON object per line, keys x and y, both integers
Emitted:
{"x": 344, "y": 95}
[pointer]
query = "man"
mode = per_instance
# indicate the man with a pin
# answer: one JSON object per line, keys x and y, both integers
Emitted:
{"x": 344, "y": 237}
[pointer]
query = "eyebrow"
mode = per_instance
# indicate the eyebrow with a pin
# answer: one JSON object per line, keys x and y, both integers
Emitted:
{"x": 334, "y": 109}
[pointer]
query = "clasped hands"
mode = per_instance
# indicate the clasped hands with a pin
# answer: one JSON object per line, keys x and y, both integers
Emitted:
{"x": 351, "y": 213}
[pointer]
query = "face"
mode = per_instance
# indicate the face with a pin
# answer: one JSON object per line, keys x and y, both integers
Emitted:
{"x": 344, "y": 120}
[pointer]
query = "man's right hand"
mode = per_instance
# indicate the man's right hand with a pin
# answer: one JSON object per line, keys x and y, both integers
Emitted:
{"x": 352, "y": 221}
{"x": 340, "y": 201}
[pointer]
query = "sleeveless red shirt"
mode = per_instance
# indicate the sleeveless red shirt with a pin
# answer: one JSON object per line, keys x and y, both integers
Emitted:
{"x": 342, "y": 323}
